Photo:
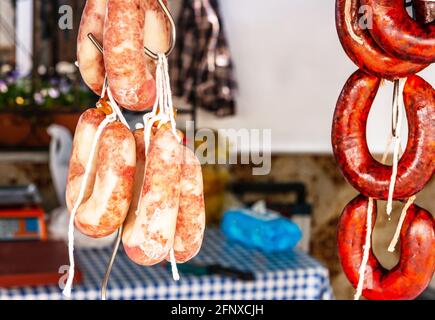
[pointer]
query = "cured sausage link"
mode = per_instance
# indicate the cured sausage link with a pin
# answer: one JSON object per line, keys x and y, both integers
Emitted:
{"x": 400, "y": 35}
{"x": 363, "y": 50}
{"x": 362, "y": 171}
{"x": 84, "y": 135}
{"x": 90, "y": 60}
{"x": 191, "y": 213}
{"x": 107, "y": 207}
{"x": 149, "y": 234}
{"x": 109, "y": 189}
{"x": 415, "y": 269}
{"x": 130, "y": 25}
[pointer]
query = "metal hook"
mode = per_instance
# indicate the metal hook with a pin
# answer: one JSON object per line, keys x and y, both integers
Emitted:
{"x": 110, "y": 265}
{"x": 148, "y": 52}
{"x": 395, "y": 114}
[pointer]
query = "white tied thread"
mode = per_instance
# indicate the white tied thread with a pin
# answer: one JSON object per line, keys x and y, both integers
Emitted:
{"x": 367, "y": 246}
{"x": 109, "y": 119}
{"x": 162, "y": 112}
{"x": 67, "y": 290}
{"x": 392, "y": 246}
{"x": 396, "y": 141}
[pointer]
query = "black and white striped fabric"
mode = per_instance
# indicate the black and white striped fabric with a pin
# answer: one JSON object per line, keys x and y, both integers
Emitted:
{"x": 291, "y": 275}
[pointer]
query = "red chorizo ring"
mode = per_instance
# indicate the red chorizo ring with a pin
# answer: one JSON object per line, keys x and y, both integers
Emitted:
{"x": 400, "y": 35}
{"x": 129, "y": 71}
{"x": 352, "y": 154}
{"x": 363, "y": 50}
{"x": 109, "y": 189}
{"x": 424, "y": 10}
{"x": 89, "y": 59}
{"x": 191, "y": 213}
{"x": 149, "y": 233}
{"x": 417, "y": 259}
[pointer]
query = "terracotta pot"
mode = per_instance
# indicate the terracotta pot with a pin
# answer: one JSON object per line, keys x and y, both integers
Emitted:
{"x": 23, "y": 131}
{"x": 14, "y": 129}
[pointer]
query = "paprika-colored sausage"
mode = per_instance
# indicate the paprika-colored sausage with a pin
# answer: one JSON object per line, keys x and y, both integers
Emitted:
{"x": 362, "y": 171}
{"x": 415, "y": 269}
{"x": 89, "y": 59}
{"x": 362, "y": 49}
{"x": 400, "y": 35}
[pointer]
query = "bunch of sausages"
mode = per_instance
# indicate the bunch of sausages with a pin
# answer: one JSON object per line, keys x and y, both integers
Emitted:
{"x": 156, "y": 194}
{"x": 391, "y": 46}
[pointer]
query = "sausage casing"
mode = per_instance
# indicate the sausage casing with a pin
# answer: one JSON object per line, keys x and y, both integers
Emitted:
{"x": 149, "y": 235}
{"x": 90, "y": 60}
{"x": 362, "y": 171}
{"x": 415, "y": 269}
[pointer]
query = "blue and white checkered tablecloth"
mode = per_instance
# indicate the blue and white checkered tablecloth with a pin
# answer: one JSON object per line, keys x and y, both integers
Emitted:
{"x": 290, "y": 275}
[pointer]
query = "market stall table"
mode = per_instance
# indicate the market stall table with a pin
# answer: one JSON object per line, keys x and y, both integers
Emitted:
{"x": 290, "y": 275}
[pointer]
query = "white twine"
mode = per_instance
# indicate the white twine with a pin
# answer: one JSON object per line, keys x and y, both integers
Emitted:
{"x": 363, "y": 266}
{"x": 396, "y": 140}
{"x": 67, "y": 290}
{"x": 162, "y": 112}
{"x": 109, "y": 118}
{"x": 392, "y": 246}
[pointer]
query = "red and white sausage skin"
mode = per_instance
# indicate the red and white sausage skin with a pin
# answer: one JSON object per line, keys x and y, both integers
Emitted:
{"x": 362, "y": 49}
{"x": 110, "y": 186}
{"x": 362, "y": 171}
{"x": 130, "y": 25}
{"x": 90, "y": 60}
{"x": 191, "y": 213}
{"x": 149, "y": 235}
{"x": 416, "y": 267}
{"x": 400, "y": 35}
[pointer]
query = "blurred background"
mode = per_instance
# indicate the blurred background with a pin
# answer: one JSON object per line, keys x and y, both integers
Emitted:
{"x": 279, "y": 66}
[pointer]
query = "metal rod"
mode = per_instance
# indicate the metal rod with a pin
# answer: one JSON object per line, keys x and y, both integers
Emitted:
{"x": 154, "y": 56}
{"x": 110, "y": 265}
{"x": 173, "y": 33}
{"x": 395, "y": 113}
{"x": 148, "y": 52}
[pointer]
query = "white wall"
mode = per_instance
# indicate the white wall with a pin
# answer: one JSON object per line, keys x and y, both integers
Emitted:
{"x": 291, "y": 69}
{"x": 24, "y": 18}
{"x": 6, "y": 16}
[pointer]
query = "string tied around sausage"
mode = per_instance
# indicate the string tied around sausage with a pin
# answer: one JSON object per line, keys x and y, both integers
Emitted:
{"x": 162, "y": 112}
{"x": 116, "y": 114}
{"x": 367, "y": 246}
{"x": 398, "y": 107}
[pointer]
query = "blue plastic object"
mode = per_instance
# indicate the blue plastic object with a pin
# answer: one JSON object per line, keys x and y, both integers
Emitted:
{"x": 267, "y": 231}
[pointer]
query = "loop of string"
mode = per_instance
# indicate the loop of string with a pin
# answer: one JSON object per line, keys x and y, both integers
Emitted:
{"x": 103, "y": 124}
{"x": 396, "y": 140}
{"x": 162, "y": 112}
{"x": 116, "y": 112}
{"x": 392, "y": 246}
{"x": 367, "y": 245}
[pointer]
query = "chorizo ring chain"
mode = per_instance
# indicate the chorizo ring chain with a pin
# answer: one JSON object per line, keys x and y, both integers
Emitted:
{"x": 400, "y": 35}
{"x": 363, "y": 50}
{"x": 362, "y": 171}
{"x": 417, "y": 259}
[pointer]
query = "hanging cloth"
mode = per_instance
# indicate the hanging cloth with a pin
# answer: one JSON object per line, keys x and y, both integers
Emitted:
{"x": 201, "y": 65}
